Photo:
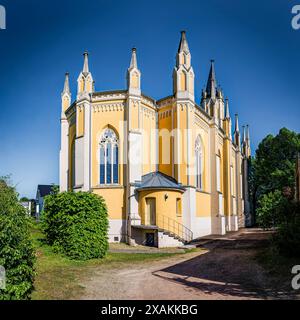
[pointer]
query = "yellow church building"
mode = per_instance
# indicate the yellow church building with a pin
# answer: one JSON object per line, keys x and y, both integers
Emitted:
{"x": 170, "y": 170}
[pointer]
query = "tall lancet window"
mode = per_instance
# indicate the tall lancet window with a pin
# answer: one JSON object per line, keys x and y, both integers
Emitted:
{"x": 109, "y": 158}
{"x": 198, "y": 163}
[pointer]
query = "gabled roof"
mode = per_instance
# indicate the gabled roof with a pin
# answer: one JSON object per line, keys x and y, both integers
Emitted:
{"x": 44, "y": 189}
{"x": 158, "y": 180}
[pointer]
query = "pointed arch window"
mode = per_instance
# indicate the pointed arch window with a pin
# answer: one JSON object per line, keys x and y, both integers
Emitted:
{"x": 109, "y": 157}
{"x": 199, "y": 163}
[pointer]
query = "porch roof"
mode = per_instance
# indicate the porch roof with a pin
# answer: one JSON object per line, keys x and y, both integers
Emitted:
{"x": 158, "y": 180}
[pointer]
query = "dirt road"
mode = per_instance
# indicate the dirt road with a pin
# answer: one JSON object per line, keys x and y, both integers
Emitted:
{"x": 225, "y": 269}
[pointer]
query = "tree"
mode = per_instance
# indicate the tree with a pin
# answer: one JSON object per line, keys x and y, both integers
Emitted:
{"x": 24, "y": 199}
{"x": 274, "y": 164}
{"x": 270, "y": 208}
{"x": 16, "y": 249}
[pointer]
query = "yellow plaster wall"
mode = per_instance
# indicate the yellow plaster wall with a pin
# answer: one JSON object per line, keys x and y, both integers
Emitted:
{"x": 80, "y": 121}
{"x": 165, "y": 140}
{"x": 88, "y": 85}
{"x": 72, "y": 135}
{"x": 203, "y": 204}
{"x": 115, "y": 201}
{"x": 135, "y": 80}
{"x": 183, "y": 145}
{"x": 149, "y": 141}
{"x": 164, "y": 207}
{"x": 226, "y": 177}
{"x": 65, "y": 103}
{"x": 100, "y": 121}
{"x": 198, "y": 129}
{"x": 183, "y": 81}
{"x": 134, "y": 115}
{"x": 81, "y": 85}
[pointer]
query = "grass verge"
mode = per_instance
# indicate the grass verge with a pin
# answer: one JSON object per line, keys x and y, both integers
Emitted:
{"x": 59, "y": 278}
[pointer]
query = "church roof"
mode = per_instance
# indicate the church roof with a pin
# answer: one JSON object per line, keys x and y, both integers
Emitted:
{"x": 158, "y": 180}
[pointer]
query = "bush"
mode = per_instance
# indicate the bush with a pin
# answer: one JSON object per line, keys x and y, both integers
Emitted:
{"x": 76, "y": 224}
{"x": 287, "y": 237}
{"x": 270, "y": 211}
{"x": 16, "y": 250}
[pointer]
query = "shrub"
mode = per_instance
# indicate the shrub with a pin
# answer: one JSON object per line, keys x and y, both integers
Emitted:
{"x": 287, "y": 237}
{"x": 76, "y": 224}
{"x": 269, "y": 212}
{"x": 16, "y": 250}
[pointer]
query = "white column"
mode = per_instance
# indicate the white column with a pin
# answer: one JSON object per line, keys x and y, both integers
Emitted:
{"x": 64, "y": 156}
{"x": 87, "y": 147}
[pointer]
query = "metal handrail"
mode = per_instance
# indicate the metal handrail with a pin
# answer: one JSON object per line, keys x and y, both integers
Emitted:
{"x": 172, "y": 226}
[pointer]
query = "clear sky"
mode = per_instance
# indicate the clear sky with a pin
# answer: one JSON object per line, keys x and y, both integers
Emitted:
{"x": 257, "y": 56}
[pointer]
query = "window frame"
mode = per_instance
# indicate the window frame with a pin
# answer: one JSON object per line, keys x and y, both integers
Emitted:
{"x": 108, "y": 145}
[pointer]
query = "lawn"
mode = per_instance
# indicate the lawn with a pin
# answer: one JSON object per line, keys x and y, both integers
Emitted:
{"x": 59, "y": 278}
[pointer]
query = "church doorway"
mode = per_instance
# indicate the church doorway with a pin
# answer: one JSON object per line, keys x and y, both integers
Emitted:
{"x": 150, "y": 211}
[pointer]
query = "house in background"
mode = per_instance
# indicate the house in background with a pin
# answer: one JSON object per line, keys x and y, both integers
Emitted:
{"x": 27, "y": 205}
{"x": 42, "y": 191}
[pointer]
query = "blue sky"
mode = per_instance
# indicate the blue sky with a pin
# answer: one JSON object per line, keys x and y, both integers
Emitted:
{"x": 255, "y": 48}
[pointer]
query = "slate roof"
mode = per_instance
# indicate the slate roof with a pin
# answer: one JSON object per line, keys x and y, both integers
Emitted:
{"x": 44, "y": 189}
{"x": 158, "y": 180}
{"x": 212, "y": 81}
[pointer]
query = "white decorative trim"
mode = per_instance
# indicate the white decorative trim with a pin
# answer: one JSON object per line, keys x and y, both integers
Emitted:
{"x": 98, "y": 97}
{"x": 108, "y": 107}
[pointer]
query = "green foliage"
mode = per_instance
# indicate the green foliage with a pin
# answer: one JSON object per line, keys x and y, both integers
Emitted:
{"x": 16, "y": 250}
{"x": 270, "y": 207}
{"x": 273, "y": 169}
{"x": 24, "y": 199}
{"x": 287, "y": 238}
{"x": 274, "y": 165}
{"x": 76, "y": 224}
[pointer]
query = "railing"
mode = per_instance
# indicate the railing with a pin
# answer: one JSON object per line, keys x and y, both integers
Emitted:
{"x": 174, "y": 228}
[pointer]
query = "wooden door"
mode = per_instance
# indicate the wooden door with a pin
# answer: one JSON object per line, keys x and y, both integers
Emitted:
{"x": 150, "y": 212}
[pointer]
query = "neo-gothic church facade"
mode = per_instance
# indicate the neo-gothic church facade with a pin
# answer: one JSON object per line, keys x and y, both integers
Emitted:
{"x": 170, "y": 170}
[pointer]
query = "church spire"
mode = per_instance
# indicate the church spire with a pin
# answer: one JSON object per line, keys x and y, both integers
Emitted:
{"x": 67, "y": 84}
{"x": 244, "y": 135}
{"x": 133, "y": 62}
{"x": 227, "y": 120}
{"x": 183, "y": 45}
{"x": 211, "y": 86}
{"x": 248, "y": 134}
{"x": 248, "y": 149}
{"x": 65, "y": 96}
{"x": 183, "y": 74}
{"x": 134, "y": 75}
{"x": 227, "y": 113}
{"x": 85, "y": 79}
{"x": 237, "y": 131}
{"x": 86, "y": 63}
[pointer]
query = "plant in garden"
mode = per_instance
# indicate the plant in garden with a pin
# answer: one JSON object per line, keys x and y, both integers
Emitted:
{"x": 270, "y": 209}
{"x": 76, "y": 224}
{"x": 16, "y": 250}
{"x": 274, "y": 164}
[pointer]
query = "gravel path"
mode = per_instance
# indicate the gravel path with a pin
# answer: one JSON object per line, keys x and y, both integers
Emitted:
{"x": 225, "y": 269}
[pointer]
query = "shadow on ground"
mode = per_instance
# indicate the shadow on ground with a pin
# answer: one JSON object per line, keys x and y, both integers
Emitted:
{"x": 228, "y": 269}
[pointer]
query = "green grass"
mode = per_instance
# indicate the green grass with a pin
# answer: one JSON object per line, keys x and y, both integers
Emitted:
{"x": 59, "y": 278}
